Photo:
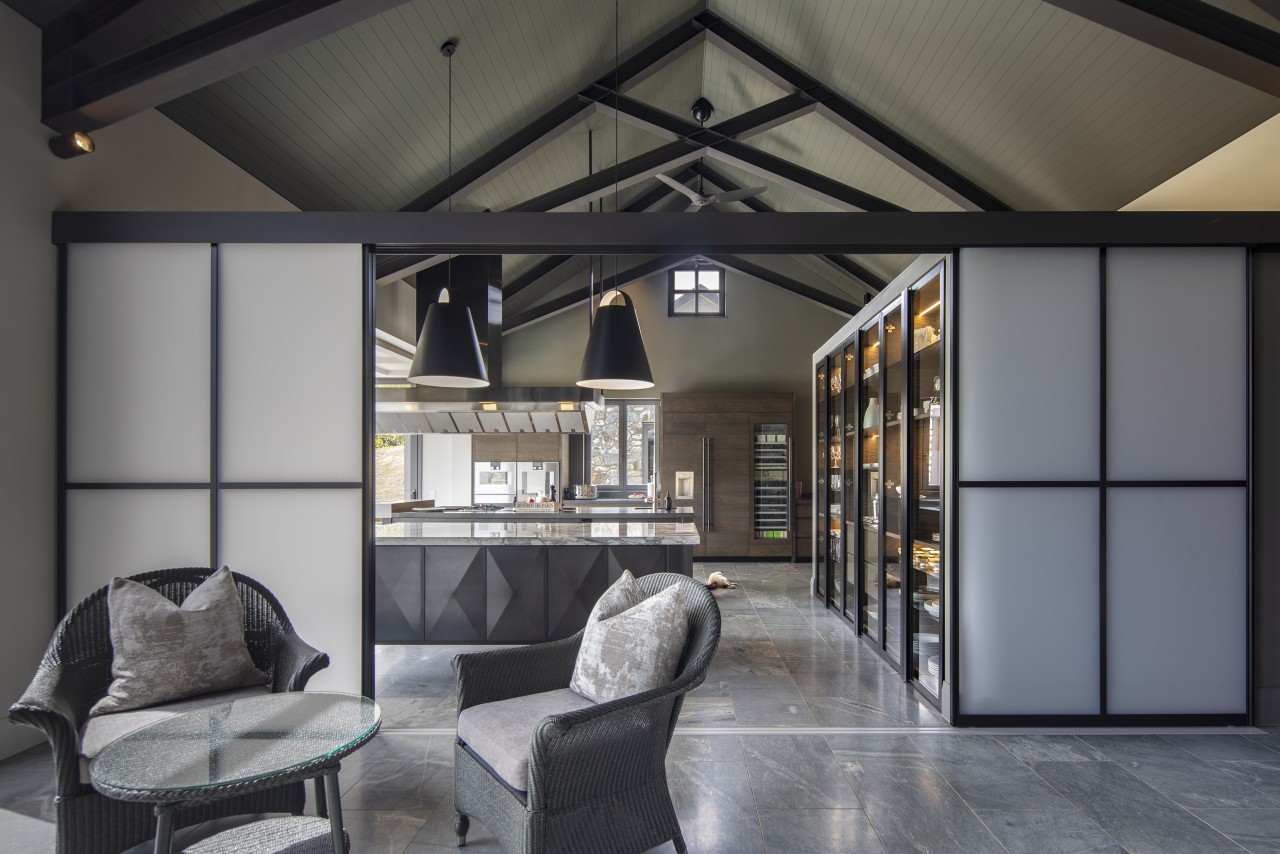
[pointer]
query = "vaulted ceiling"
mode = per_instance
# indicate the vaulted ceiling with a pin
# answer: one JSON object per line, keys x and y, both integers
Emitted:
{"x": 1038, "y": 107}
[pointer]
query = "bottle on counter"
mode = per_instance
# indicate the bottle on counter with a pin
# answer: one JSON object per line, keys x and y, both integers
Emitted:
{"x": 553, "y": 492}
{"x": 666, "y": 502}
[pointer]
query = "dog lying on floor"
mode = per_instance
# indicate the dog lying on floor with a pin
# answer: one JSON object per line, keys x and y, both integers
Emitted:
{"x": 717, "y": 580}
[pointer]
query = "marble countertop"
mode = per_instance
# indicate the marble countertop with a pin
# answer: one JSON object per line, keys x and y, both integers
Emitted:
{"x": 580, "y": 512}
{"x": 561, "y": 533}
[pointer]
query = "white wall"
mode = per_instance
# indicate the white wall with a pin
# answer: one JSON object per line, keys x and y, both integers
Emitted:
{"x": 144, "y": 163}
{"x": 765, "y": 343}
{"x": 446, "y": 468}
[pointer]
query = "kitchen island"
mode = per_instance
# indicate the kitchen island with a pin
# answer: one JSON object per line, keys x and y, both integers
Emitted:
{"x": 583, "y": 511}
{"x": 513, "y": 580}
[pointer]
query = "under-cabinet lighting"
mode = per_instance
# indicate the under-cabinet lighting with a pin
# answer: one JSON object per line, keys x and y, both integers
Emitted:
{"x": 489, "y": 407}
{"x": 566, "y": 406}
{"x": 929, "y": 309}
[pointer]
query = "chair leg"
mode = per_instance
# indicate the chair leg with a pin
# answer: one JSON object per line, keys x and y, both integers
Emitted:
{"x": 461, "y": 824}
{"x": 680, "y": 847}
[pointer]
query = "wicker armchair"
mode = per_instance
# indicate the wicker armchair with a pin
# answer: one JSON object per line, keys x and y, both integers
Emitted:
{"x": 75, "y": 673}
{"x": 597, "y": 776}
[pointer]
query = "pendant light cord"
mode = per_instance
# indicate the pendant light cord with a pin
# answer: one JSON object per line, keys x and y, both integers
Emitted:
{"x": 617, "y": 28}
{"x": 449, "y": 48}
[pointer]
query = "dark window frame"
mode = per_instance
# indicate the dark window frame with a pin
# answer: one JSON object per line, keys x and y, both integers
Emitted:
{"x": 698, "y": 289}
{"x": 623, "y": 404}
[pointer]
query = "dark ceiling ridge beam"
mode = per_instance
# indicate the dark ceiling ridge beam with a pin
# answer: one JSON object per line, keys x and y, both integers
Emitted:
{"x": 720, "y": 141}
{"x": 191, "y": 60}
{"x": 649, "y": 58}
{"x": 578, "y": 296}
{"x": 553, "y": 262}
{"x": 853, "y": 119}
{"x": 1195, "y": 31}
{"x": 869, "y": 281}
{"x": 764, "y": 274}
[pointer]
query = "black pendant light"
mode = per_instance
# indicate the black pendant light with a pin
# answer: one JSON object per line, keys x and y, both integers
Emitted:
{"x": 448, "y": 353}
{"x": 615, "y": 358}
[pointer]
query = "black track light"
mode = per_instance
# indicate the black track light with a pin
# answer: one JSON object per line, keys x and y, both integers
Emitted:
{"x": 71, "y": 145}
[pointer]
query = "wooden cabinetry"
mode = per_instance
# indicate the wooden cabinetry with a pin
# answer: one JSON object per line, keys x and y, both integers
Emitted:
{"x": 517, "y": 447}
{"x": 713, "y": 435}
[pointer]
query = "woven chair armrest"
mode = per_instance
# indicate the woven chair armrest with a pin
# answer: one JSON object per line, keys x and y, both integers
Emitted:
{"x": 500, "y": 674}
{"x": 296, "y": 662}
{"x": 610, "y": 747}
{"x": 49, "y": 705}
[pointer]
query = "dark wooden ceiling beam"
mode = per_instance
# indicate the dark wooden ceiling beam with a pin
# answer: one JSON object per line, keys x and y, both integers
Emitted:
{"x": 787, "y": 283}
{"x": 553, "y": 262}
{"x": 1195, "y": 31}
{"x": 847, "y": 115}
{"x": 811, "y": 183}
{"x": 654, "y": 55}
{"x": 721, "y": 141}
{"x": 628, "y": 172}
{"x": 99, "y": 96}
{"x": 866, "y": 279}
{"x": 663, "y": 233}
{"x": 578, "y": 296}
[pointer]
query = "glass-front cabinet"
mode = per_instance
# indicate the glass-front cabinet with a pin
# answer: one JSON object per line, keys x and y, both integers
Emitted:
{"x": 835, "y": 479}
{"x": 881, "y": 470}
{"x": 925, "y": 481}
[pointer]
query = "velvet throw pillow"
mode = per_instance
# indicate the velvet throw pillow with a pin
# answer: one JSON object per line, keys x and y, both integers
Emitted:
{"x": 161, "y": 652}
{"x": 632, "y": 651}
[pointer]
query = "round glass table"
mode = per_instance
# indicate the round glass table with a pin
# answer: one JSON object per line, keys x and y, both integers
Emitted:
{"x": 234, "y": 748}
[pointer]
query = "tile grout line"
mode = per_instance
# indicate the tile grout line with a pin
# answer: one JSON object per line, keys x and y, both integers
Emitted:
{"x": 1136, "y": 779}
{"x": 968, "y": 805}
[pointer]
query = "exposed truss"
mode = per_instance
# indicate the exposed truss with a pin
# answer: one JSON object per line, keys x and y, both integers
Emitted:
{"x": 869, "y": 281}
{"x": 661, "y": 264}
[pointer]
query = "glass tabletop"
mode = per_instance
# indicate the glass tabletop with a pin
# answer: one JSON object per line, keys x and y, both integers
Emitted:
{"x": 237, "y": 741}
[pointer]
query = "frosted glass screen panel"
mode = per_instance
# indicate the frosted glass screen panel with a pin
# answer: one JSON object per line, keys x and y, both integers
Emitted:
{"x": 304, "y": 545}
{"x": 138, "y": 357}
{"x": 1177, "y": 364}
{"x": 124, "y": 532}
{"x": 291, "y": 362}
{"x": 1176, "y": 600}
{"x": 1029, "y": 610}
{"x": 1028, "y": 364}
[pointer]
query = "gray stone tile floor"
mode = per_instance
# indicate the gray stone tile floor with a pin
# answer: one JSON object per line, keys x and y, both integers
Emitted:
{"x": 898, "y": 787}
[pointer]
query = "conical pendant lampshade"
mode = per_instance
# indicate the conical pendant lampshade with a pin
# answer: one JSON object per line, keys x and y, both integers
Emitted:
{"x": 448, "y": 352}
{"x": 615, "y": 357}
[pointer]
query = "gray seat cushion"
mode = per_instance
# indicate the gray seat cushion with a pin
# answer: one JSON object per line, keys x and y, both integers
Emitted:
{"x": 101, "y": 730}
{"x": 501, "y": 733}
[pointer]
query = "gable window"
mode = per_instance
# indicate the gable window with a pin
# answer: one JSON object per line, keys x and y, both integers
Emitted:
{"x": 696, "y": 290}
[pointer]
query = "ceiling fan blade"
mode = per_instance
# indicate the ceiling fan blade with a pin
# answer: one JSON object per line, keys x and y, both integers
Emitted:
{"x": 695, "y": 207}
{"x": 735, "y": 195}
{"x": 677, "y": 186}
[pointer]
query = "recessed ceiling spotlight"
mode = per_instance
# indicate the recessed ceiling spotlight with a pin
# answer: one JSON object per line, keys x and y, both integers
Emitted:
{"x": 71, "y": 145}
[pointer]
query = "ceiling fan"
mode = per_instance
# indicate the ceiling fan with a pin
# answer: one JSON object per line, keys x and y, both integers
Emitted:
{"x": 702, "y": 110}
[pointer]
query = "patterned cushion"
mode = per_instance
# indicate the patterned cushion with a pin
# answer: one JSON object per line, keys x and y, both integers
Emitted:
{"x": 162, "y": 652}
{"x": 634, "y": 651}
{"x": 501, "y": 733}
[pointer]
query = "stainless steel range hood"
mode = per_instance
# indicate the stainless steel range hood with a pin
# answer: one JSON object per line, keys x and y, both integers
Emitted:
{"x": 530, "y": 409}
{"x": 403, "y": 408}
